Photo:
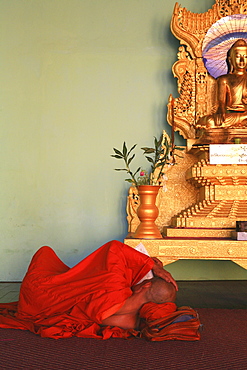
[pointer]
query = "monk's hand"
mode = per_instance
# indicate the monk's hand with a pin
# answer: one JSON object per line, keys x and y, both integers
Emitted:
{"x": 157, "y": 262}
{"x": 159, "y": 271}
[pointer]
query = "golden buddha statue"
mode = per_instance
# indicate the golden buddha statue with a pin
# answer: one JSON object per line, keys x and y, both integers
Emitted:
{"x": 231, "y": 93}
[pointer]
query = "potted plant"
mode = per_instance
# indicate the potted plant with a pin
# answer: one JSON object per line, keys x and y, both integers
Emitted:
{"x": 148, "y": 183}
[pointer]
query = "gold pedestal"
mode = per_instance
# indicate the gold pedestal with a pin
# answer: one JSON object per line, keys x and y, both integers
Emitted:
{"x": 221, "y": 135}
{"x": 171, "y": 250}
{"x": 198, "y": 212}
{"x": 222, "y": 199}
{"x": 185, "y": 232}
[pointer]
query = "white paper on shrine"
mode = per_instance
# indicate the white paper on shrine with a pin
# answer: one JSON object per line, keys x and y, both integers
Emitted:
{"x": 228, "y": 153}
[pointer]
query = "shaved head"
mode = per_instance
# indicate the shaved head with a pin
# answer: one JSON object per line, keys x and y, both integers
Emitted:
{"x": 161, "y": 291}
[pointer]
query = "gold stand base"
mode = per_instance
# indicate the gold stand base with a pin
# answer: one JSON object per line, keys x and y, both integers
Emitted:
{"x": 197, "y": 233}
{"x": 171, "y": 250}
{"x": 221, "y": 135}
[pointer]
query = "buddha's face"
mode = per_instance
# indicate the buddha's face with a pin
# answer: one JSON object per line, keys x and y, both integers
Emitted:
{"x": 238, "y": 58}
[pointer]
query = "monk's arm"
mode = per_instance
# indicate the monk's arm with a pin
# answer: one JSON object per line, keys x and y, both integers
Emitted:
{"x": 140, "y": 264}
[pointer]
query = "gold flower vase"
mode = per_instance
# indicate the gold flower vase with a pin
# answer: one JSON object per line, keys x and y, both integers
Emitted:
{"x": 147, "y": 213}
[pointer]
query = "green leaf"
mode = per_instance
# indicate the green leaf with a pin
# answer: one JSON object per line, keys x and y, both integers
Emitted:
{"x": 133, "y": 147}
{"x": 124, "y": 149}
{"x": 116, "y": 156}
{"x": 160, "y": 141}
{"x": 130, "y": 159}
{"x": 121, "y": 169}
{"x": 150, "y": 159}
{"x": 117, "y": 151}
{"x": 138, "y": 169}
{"x": 129, "y": 180}
{"x": 148, "y": 150}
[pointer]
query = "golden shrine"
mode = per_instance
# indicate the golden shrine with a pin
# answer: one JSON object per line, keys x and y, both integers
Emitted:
{"x": 203, "y": 201}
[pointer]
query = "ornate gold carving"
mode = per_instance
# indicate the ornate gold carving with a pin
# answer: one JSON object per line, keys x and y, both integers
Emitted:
{"x": 199, "y": 210}
{"x": 199, "y": 195}
{"x": 222, "y": 196}
{"x": 196, "y": 87}
{"x": 199, "y": 232}
{"x": 190, "y": 29}
{"x": 171, "y": 250}
{"x": 132, "y": 205}
{"x": 230, "y": 7}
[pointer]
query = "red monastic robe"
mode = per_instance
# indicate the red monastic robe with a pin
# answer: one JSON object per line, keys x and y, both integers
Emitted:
{"x": 59, "y": 302}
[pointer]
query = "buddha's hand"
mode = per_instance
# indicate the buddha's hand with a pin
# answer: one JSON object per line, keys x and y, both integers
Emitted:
{"x": 158, "y": 270}
{"x": 222, "y": 113}
{"x": 244, "y": 101}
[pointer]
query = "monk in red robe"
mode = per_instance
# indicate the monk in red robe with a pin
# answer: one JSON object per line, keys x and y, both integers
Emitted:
{"x": 99, "y": 297}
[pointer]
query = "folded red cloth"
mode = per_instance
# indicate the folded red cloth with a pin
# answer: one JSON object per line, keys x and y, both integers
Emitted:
{"x": 152, "y": 311}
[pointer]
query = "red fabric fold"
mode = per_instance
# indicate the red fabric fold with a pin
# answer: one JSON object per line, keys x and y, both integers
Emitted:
{"x": 152, "y": 311}
{"x": 59, "y": 302}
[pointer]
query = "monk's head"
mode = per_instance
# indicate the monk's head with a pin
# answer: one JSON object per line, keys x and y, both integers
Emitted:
{"x": 161, "y": 291}
{"x": 156, "y": 290}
